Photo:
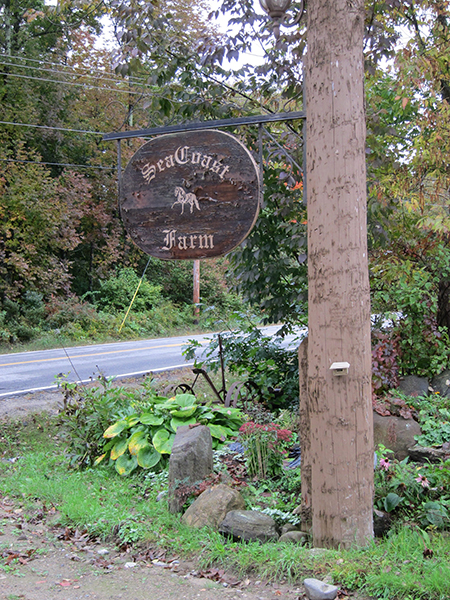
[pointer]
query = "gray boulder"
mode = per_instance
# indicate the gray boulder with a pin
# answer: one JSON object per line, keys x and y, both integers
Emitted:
{"x": 295, "y": 537}
{"x": 441, "y": 383}
{"x": 412, "y": 385}
{"x": 212, "y": 506}
{"x": 191, "y": 461}
{"x": 249, "y": 525}
{"x": 396, "y": 433}
{"x": 318, "y": 590}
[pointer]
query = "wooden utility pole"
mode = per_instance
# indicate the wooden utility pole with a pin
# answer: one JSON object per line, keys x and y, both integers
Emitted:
{"x": 336, "y": 410}
{"x": 196, "y": 298}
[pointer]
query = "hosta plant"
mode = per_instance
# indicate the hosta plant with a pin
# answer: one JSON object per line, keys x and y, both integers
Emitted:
{"x": 145, "y": 438}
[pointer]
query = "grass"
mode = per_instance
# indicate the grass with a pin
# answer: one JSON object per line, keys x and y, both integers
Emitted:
{"x": 125, "y": 510}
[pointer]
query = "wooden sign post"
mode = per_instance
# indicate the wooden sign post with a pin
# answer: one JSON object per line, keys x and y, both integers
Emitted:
{"x": 190, "y": 195}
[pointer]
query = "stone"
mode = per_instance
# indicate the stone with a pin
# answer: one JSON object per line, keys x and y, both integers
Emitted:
{"x": 212, "y": 506}
{"x": 249, "y": 525}
{"x": 382, "y": 522}
{"x": 288, "y": 527}
{"x": 412, "y": 385}
{"x": 395, "y": 433}
{"x": 191, "y": 461}
{"x": 319, "y": 590}
{"x": 441, "y": 383}
{"x": 296, "y": 537}
{"x": 422, "y": 454}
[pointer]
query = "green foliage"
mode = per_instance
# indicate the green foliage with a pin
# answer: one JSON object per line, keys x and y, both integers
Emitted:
{"x": 117, "y": 292}
{"x": 265, "y": 447}
{"x": 125, "y": 509}
{"x": 145, "y": 438}
{"x": 410, "y": 492}
{"x": 87, "y": 412}
{"x": 405, "y": 293}
{"x": 258, "y": 358}
{"x": 270, "y": 266}
{"x": 434, "y": 419}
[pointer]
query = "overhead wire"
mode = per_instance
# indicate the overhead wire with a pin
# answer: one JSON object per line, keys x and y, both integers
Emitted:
{"x": 61, "y": 82}
{"x": 104, "y": 75}
{"x": 50, "y": 127}
{"x": 39, "y": 60}
{"x": 39, "y": 162}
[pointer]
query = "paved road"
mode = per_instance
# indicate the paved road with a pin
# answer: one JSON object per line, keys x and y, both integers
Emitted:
{"x": 33, "y": 371}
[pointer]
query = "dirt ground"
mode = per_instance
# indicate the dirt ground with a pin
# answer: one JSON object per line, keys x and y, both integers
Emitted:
{"x": 39, "y": 561}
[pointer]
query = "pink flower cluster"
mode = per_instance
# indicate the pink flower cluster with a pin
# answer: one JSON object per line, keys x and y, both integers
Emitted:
{"x": 251, "y": 428}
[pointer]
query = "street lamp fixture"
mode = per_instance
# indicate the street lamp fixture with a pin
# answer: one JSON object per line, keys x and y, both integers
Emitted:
{"x": 277, "y": 11}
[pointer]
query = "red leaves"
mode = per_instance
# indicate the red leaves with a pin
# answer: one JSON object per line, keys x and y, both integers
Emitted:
{"x": 14, "y": 555}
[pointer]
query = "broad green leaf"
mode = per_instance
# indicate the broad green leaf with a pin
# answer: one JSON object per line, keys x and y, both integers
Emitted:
{"x": 391, "y": 501}
{"x": 175, "y": 422}
{"x": 151, "y": 419}
{"x": 119, "y": 448}
{"x": 137, "y": 441}
{"x": 184, "y": 412}
{"x": 125, "y": 464}
{"x": 207, "y": 415}
{"x": 148, "y": 457}
{"x": 163, "y": 441}
{"x": 115, "y": 429}
{"x": 132, "y": 420}
{"x": 219, "y": 432}
{"x": 169, "y": 405}
{"x": 185, "y": 400}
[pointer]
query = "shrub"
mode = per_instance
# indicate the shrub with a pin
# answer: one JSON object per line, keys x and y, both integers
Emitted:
{"x": 86, "y": 414}
{"x": 144, "y": 438}
{"x": 260, "y": 358}
{"x": 116, "y": 293}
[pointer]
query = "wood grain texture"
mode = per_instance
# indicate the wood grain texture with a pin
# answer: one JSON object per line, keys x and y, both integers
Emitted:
{"x": 191, "y": 195}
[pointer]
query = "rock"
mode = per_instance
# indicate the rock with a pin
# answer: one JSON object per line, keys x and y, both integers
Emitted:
{"x": 288, "y": 527}
{"x": 297, "y": 537}
{"x": 212, "y": 506}
{"x": 318, "y": 590}
{"x": 433, "y": 455}
{"x": 161, "y": 496}
{"x": 412, "y": 385}
{"x": 441, "y": 383}
{"x": 395, "y": 433}
{"x": 381, "y": 522}
{"x": 191, "y": 461}
{"x": 249, "y": 525}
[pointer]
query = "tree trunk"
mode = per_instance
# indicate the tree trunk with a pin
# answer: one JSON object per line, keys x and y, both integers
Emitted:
{"x": 338, "y": 458}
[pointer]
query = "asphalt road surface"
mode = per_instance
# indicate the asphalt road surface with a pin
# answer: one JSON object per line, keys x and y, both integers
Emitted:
{"x": 27, "y": 372}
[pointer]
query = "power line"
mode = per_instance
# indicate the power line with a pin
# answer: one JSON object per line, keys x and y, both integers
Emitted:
{"x": 102, "y": 74}
{"x": 49, "y": 127}
{"x": 130, "y": 78}
{"x": 82, "y": 85}
{"x": 38, "y": 162}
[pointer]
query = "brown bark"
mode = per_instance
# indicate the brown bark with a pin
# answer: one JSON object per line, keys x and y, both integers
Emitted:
{"x": 340, "y": 449}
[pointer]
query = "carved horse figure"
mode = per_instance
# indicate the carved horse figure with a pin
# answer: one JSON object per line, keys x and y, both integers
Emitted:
{"x": 185, "y": 198}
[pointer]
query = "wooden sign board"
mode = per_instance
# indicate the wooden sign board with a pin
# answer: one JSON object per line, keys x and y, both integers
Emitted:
{"x": 190, "y": 195}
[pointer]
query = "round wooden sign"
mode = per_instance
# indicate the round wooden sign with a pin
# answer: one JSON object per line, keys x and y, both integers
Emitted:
{"x": 190, "y": 195}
